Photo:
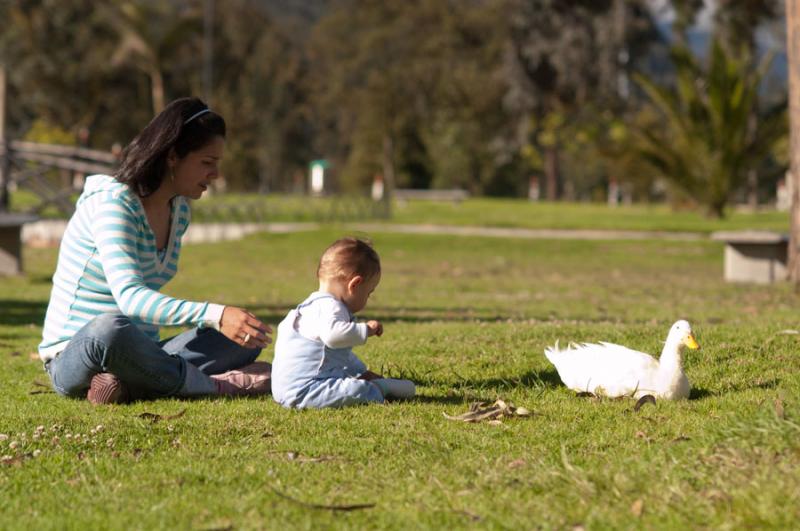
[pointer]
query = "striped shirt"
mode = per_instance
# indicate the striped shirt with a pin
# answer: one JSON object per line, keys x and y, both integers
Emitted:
{"x": 108, "y": 263}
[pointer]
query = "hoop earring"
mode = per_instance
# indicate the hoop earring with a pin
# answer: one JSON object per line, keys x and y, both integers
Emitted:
{"x": 172, "y": 174}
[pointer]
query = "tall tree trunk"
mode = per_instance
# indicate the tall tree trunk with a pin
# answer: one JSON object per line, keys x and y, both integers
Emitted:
{"x": 388, "y": 173}
{"x": 752, "y": 173}
{"x": 752, "y": 188}
{"x": 621, "y": 53}
{"x": 793, "y": 51}
{"x": 5, "y": 161}
{"x": 157, "y": 88}
{"x": 208, "y": 49}
{"x": 716, "y": 210}
{"x": 551, "y": 172}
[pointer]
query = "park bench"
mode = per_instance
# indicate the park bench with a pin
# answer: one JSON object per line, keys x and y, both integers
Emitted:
{"x": 409, "y": 194}
{"x": 11, "y": 242}
{"x": 754, "y": 256}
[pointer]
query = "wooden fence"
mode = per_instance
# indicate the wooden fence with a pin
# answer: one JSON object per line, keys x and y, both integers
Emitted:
{"x": 53, "y": 173}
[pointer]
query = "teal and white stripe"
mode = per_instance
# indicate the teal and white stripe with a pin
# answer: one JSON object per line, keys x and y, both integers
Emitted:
{"x": 108, "y": 263}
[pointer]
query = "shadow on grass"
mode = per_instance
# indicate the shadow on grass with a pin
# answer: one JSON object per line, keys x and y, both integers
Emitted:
{"x": 19, "y": 312}
{"x": 547, "y": 378}
{"x": 276, "y": 313}
{"x": 6, "y": 336}
{"x": 700, "y": 393}
{"x": 429, "y": 314}
{"x": 428, "y": 399}
{"x": 425, "y": 314}
{"x": 40, "y": 279}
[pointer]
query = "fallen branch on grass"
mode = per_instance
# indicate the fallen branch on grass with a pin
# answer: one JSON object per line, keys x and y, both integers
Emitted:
{"x": 500, "y": 409}
{"x": 646, "y": 399}
{"x": 352, "y": 507}
{"x": 44, "y": 391}
{"x": 155, "y": 417}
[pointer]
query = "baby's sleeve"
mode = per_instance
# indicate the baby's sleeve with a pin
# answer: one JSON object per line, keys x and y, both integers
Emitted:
{"x": 336, "y": 327}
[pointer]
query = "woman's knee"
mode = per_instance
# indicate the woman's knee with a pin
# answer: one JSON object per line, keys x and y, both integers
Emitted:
{"x": 107, "y": 328}
{"x": 69, "y": 385}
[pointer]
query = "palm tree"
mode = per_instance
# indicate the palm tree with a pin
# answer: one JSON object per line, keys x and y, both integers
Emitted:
{"x": 705, "y": 145}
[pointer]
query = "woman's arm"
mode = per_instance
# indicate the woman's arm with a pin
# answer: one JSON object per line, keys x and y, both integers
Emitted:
{"x": 115, "y": 231}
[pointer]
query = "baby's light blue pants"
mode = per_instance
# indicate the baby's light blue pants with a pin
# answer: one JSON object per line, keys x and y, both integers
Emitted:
{"x": 308, "y": 374}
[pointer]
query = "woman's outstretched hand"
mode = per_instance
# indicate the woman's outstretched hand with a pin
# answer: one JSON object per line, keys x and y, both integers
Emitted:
{"x": 244, "y": 328}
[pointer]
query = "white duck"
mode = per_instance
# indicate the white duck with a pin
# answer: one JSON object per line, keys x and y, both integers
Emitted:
{"x": 606, "y": 369}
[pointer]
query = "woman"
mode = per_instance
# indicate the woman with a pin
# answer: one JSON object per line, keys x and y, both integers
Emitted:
{"x": 121, "y": 246}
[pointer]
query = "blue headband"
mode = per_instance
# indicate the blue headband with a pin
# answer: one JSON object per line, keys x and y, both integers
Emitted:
{"x": 195, "y": 115}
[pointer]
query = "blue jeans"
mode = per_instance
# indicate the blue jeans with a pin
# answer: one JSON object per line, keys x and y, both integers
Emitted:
{"x": 112, "y": 343}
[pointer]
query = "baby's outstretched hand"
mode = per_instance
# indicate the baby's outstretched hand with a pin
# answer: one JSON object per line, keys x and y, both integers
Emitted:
{"x": 374, "y": 328}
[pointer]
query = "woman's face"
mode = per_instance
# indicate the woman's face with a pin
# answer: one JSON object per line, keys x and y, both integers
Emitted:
{"x": 194, "y": 172}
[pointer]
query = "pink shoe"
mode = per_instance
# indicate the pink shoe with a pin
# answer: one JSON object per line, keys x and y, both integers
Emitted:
{"x": 250, "y": 380}
{"x": 106, "y": 388}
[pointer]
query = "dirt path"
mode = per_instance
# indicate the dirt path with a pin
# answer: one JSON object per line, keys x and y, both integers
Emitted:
{"x": 530, "y": 234}
{"x": 48, "y": 233}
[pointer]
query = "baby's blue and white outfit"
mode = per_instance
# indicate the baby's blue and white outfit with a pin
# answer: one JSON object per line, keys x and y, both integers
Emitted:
{"x": 314, "y": 365}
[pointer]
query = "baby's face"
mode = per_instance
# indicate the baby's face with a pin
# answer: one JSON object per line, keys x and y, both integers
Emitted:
{"x": 357, "y": 297}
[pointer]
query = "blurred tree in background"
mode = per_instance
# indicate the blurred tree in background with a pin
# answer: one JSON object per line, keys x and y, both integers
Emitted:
{"x": 474, "y": 94}
{"x": 704, "y": 141}
{"x": 155, "y": 37}
{"x": 260, "y": 69}
{"x": 685, "y": 13}
{"x": 564, "y": 57}
{"x": 735, "y": 28}
{"x": 736, "y": 22}
{"x": 57, "y": 60}
{"x": 409, "y": 90}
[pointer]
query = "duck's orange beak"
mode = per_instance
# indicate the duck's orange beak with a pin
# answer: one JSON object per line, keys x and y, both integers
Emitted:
{"x": 691, "y": 342}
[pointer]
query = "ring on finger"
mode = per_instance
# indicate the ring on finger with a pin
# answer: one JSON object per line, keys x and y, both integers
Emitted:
{"x": 246, "y": 338}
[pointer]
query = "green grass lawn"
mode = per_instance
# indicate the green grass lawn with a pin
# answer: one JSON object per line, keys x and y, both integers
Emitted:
{"x": 544, "y": 215}
{"x": 467, "y": 319}
{"x": 490, "y": 212}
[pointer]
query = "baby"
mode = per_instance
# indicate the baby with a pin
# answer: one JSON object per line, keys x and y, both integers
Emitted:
{"x": 314, "y": 365}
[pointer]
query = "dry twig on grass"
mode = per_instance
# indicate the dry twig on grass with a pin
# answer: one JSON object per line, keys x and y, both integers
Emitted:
{"x": 493, "y": 412}
{"x": 350, "y": 507}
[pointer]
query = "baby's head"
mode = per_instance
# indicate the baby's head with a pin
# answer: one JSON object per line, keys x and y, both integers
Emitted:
{"x": 350, "y": 269}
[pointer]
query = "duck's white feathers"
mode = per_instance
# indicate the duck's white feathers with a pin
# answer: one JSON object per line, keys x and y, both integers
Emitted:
{"x": 605, "y": 369}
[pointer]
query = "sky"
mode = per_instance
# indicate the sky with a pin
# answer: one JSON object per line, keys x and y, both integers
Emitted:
{"x": 767, "y": 36}
{"x": 663, "y": 10}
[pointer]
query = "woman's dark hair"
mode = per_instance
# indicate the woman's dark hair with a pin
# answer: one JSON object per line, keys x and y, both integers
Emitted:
{"x": 178, "y": 126}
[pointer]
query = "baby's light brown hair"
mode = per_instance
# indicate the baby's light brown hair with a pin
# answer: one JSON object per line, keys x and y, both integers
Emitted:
{"x": 348, "y": 257}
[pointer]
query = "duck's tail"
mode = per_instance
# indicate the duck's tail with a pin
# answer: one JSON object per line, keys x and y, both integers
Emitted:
{"x": 552, "y": 353}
